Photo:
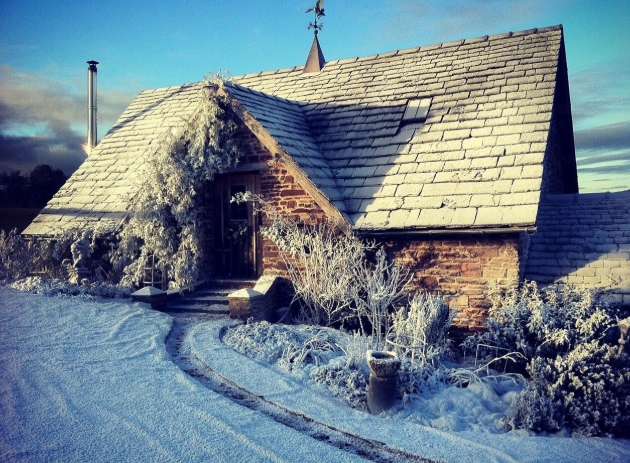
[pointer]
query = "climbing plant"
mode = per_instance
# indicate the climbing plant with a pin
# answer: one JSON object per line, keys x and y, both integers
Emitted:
{"x": 168, "y": 224}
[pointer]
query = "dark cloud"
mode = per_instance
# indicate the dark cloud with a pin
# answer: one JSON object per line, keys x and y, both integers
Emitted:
{"x": 608, "y": 137}
{"x": 24, "y": 153}
{"x": 603, "y": 157}
{"x": 622, "y": 168}
{"x": 43, "y": 119}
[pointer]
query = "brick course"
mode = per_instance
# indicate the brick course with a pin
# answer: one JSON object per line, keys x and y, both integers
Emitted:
{"x": 460, "y": 269}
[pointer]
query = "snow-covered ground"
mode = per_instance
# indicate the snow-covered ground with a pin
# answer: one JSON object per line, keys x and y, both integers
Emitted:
{"x": 90, "y": 381}
{"x": 84, "y": 379}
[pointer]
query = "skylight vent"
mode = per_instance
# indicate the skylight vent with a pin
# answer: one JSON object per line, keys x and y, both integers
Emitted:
{"x": 416, "y": 111}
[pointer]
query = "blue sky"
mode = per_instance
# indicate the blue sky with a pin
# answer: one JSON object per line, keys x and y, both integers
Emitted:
{"x": 144, "y": 44}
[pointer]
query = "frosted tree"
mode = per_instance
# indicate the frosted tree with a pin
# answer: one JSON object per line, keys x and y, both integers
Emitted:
{"x": 168, "y": 224}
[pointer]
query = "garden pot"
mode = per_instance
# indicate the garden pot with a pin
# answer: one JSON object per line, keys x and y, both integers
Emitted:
{"x": 381, "y": 394}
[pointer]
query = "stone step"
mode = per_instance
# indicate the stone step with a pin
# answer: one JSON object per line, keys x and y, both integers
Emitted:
{"x": 232, "y": 285}
{"x": 203, "y": 299}
{"x": 211, "y": 297}
{"x": 219, "y": 309}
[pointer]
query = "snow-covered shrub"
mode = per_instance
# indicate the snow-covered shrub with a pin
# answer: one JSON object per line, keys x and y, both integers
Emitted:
{"x": 345, "y": 383}
{"x": 586, "y": 390}
{"x": 541, "y": 323}
{"x": 576, "y": 380}
{"x": 419, "y": 331}
{"x": 168, "y": 222}
{"x": 261, "y": 341}
{"x": 315, "y": 350}
{"x": 56, "y": 287}
{"x": 356, "y": 349}
{"x": 49, "y": 257}
{"x": 16, "y": 255}
{"x": 376, "y": 289}
{"x": 320, "y": 263}
{"x": 332, "y": 276}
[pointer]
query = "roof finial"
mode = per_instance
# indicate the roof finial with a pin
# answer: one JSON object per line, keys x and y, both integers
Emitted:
{"x": 315, "y": 61}
{"x": 318, "y": 9}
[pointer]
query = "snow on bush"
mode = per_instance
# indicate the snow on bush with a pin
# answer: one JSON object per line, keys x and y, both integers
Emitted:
{"x": 348, "y": 384}
{"x": 586, "y": 390}
{"x": 576, "y": 380}
{"x": 332, "y": 276}
{"x": 54, "y": 287}
{"x": 542, "y": 323}
{"x": 419, "y": 331}
{"x": 16, "y": 255}
{"x": 262, "y": 341}
{"x": 48, "y": 257}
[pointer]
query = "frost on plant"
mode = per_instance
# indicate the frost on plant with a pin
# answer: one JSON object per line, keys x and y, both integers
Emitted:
{"x": 419, "y": 331}
{"x": 333, "y": 278}
{"x": 542, "y": 323}
{"x": 577, "y": 380}
{"x": 47, "y": 257}
{"x": 168, "y": 222}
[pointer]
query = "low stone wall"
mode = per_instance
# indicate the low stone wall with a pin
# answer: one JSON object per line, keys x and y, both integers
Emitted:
{"x": 258, "y": 303}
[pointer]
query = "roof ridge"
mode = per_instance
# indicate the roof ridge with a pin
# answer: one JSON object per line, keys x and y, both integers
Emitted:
{"x": 391, "y": 53}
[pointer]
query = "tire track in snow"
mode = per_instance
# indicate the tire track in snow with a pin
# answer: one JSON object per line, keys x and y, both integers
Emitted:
{"x": 180, "y": 352}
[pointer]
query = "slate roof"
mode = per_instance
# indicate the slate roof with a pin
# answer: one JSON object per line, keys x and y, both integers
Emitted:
{"x": 582, "y": 239}
{"x": 476, "y": 162}
{"x": 101, "y": 190}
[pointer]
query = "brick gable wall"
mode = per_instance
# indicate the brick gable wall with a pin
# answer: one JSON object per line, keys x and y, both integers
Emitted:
{"x": 460, "y": 269}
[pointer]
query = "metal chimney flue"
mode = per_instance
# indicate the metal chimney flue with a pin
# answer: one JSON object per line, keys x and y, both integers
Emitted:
{"x": 91, "y": 130}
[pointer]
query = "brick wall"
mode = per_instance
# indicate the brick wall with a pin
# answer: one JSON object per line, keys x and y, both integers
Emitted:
{"x": 281, "y": 191}
{"x": 460, "y": 269}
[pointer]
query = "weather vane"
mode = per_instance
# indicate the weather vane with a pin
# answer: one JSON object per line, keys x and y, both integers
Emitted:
{"x": 318, "y": 9}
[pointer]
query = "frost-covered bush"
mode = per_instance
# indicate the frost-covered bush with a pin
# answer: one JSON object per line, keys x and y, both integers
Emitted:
{"x": 51, "y": 257}
{"x": 346, "y": 383}
{"x": 55, "y": 287}
{"x": 16, "y": 255}
{"x": 168, "y": 222}
{"x": 316, "y": 349}
{"x": 320, "y": 262}
{"x": 261, "y": 341}
{"x": 377, "y": 288}
{"x": 332, "y": 276}
{"x": 355, "y": 350}
{"x": 576, "y": 380}
{"x": 586, "y": 390}
{"x": 541, "y": 323}
{"x": 419, "y": 331}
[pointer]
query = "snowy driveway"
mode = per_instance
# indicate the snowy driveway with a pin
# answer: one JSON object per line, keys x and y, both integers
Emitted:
{"x": 84, "y": 380}
{"x": 88, "y": 380}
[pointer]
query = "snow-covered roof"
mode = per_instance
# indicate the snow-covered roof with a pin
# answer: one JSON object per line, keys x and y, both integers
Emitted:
{"x": 474, "y": 160}
{"x": 583, "y": 239}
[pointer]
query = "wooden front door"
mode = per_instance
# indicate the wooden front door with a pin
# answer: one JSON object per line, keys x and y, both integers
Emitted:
{"x": 236, "y": 240}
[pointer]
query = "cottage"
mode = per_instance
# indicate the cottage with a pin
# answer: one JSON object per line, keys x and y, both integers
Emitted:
{"x": 442, "y": 153}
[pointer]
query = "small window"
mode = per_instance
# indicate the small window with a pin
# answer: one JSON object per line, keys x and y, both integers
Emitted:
{"x": 238, "y": 211}
{"x": 416, "y": 111}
